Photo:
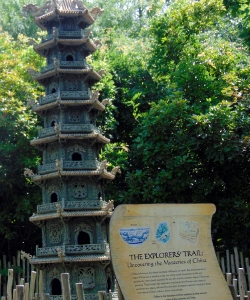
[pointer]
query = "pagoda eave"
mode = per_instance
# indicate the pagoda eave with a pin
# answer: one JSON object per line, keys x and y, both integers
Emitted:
{"x": 87, "y": 19}
{"x": 102, "y": 174}
{"x": 57, "y": 71}
{"x": 90, "y": 46}
{"x": 70, "y": 259}
{"x": 72, "y": 214}
{"x": 74, "y": 136}
{"x": 95, "y": 104}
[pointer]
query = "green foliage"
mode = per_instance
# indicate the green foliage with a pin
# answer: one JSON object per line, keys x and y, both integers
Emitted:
{"x": 178, "y": 26}
{"x": 132, "y": 85}
{"x": 211, "y": 69}
{"x": 189, "y": 157}
{"x": 192, "y": 145}
{"x": 241, "y": 9}
{"x": 18, "y": 197}
{"x": 124, "y": 17}
{"x": 13, "y": 21}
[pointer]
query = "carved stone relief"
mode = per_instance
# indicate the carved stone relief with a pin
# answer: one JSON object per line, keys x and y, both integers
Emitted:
{"x": 72, "y": 85}
{"x": 74, "y": 116}
{"x": 77, "y": 148}
{"x": 69, "y": 26}
{"x": 79, "y": 190}
{"x": 83, "y": 227}
{"x": 86, "y": 275}
{"x": 55, "y": 233}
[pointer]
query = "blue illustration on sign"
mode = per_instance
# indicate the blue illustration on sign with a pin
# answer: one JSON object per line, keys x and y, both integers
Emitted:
{"x": 163, "y": 233}
{"x": 134, "y": 235}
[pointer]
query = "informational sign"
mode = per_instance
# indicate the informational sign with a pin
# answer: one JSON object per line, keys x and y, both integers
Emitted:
{"x": 165, "y": 251}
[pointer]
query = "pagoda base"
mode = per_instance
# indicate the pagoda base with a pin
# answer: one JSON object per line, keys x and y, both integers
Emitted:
{"x": 95, "y": 276}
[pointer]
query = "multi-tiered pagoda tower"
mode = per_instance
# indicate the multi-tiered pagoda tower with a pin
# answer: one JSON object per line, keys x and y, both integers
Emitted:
{"x": 74, "y": 215}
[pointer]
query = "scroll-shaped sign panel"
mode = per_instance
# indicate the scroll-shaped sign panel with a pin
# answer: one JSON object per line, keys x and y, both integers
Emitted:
{"x": 165, "y": 251}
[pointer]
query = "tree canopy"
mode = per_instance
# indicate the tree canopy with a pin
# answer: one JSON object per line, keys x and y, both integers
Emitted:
{"x": 18, "y": 197}
{"x": 188, "y": 130}
{"x": 14, "y": 21}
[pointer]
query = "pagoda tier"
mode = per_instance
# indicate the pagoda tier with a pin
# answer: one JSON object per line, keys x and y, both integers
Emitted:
{"x": 53, "y": 13}
{"x": 56, "y": 73}
{"x": 47, "y": 136}
{"x": 61, "y": 246}
{"x": 43, "y": 106}
{"x": 70, "y": 209}
{"x": 101, "y": 174}
{"x": 74, "y": 214}
{"x": 54, "y": 18}
{"x": 58, "y": 39}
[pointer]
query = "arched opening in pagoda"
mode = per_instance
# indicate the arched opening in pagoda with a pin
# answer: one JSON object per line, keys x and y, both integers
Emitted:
{"x": 53, "y": 123}
{"x": 53, "y": 197}
{"x": 109, "y": 284}
{"x": 53, "y": 91}
{"x": 76, "y": 156}
{"x": 83, "y": 238}
{"x": 69, "y": 57}
{"x": 56, "y": 288}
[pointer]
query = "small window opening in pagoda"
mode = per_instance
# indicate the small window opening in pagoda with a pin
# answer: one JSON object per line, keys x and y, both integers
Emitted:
{"x": 83, "y": 238}
{"x": 69, "y": 58}
{"x": 53, "y": 197}
{"x": 53, "y": 123}
{"x": 56, "y": 288}
{"x": 109, "y": 284}
{"x": 53, "y": 91}
{"x": 76, "y": 156}
{"x": 99, "y": 195}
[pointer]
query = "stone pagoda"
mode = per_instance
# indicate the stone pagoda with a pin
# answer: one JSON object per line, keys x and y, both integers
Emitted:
{"x": 74, "y": 216}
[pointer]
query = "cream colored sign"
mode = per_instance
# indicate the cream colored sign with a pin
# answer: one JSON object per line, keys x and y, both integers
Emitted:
{"x": 164, "y": 251}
